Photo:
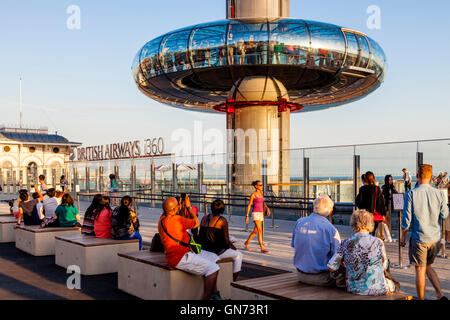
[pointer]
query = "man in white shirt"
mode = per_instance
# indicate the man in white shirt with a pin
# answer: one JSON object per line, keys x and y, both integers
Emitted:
{"x": 50, "y": 204}
{"x": 407, "y": 180}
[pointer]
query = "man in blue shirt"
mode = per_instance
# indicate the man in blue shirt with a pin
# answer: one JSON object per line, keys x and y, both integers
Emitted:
{"x": 315, "y": 241}
{"x": 423, "y": 211}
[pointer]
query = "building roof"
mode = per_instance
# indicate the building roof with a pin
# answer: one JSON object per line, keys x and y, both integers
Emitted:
{"x": 37, "y": 136}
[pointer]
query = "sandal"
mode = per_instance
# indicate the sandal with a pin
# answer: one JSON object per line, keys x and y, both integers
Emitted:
{"x": 265, "y": 251}
{"x": 246, "y": 248}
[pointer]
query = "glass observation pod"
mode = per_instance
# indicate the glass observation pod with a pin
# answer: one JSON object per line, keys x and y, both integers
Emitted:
{"x": 321, "y": 65}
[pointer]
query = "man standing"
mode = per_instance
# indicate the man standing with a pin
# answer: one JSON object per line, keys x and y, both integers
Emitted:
{"x": 424, "y": 208}
{"x": 407, "y": 180}
{"x": 172, "y": 229}
{"x": 315, "y": 241}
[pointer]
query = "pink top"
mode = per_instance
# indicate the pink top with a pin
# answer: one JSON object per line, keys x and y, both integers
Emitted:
{"x": 102, "y": 224}
{"x": 258, "y": 204}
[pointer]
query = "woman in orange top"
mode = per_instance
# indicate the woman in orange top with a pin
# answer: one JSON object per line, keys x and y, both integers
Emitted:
{"x": 102, "y": 219}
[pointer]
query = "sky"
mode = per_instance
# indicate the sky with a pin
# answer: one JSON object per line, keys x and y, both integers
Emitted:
{"x": 78, "y": 82}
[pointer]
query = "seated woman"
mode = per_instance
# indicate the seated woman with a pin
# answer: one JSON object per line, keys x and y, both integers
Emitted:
{"x": 66, "y": 214}
{"x": 364, "y": 258}
{"x": 88, "y": 220}
{"x": 28, "y": 210}
{"x": 214, "y": 237}
{"x": 102, "y": 219}
{"x": 125, "y": 223}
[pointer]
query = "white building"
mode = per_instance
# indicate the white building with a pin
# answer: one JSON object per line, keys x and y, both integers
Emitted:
{"x": 27, "y": 153}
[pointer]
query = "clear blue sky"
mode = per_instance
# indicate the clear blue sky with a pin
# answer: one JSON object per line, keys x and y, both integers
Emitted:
{"x": 79, "y": 81}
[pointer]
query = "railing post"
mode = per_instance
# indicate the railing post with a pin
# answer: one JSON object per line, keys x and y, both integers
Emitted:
{"x": 356, "y": 175}
{"x": 152, "y": 183}
{"x": 400, "y": 252}
{"x": 88, "y": 179}
{"x": 443, "y": 252}
{"x": 305, "y": 185}
{"x": 174, "y": 178}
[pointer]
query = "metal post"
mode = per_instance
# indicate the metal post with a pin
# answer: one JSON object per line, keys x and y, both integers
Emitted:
{"x": 419, "y": 160}
{"x": 229, "y": 187}
{"x": 152, "y": 183}
{"x": 100, "y": 181}
{"x": 400, "y": 257}
{"x": 54, "y": 178}
{"x": 133, "y": 187}
{"x": 199, "y": 178}
{"x": 1, "y": 181}
{"x": 356, "y": 175}
{"x": 88, "y": 179}
{"x": 305, "y": 185}
{"x": 174, "y": 178}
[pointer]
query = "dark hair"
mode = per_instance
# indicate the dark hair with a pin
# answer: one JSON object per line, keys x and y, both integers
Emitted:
{"x": 62, "y": 177}
{"x": 363, "y": 177}
{"x": 41, "y": 177}
{"x": 370, "y": 177}
{"x": 11, "y": 203}
{"x": 102, "y": 204}
{"x": 51, "y": 192}
{"x": 386, "y": 180}
{"x": 217, "y": 207}
{"x": 404, "y": 169}
{"x": 35, "y": 195}
{"x": 67, "y": 200}
{"x": 112, "y": 176}
{"x": 94, "y": 205}
{"x": 23, "y": 195}
{"x": 254, "y": 183}
{"x": 124, "y": 210}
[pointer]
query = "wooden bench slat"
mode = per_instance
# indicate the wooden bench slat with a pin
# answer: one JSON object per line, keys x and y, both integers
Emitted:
{"x": 92, "y": 241}
{"x": 38, "y": 229}
{"x": 287, "y": 286}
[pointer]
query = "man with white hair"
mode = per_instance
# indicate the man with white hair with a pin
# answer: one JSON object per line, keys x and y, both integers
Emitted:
{"x": 315, "y": 241}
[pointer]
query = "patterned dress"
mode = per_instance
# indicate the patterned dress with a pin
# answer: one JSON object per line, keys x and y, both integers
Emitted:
{"x": 365, "y": 260}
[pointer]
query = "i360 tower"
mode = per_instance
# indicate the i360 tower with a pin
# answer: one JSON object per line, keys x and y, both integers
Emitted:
{"x": 257, "y": 67}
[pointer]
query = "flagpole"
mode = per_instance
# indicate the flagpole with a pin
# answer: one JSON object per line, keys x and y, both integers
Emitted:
{"x": 20, "y": 104}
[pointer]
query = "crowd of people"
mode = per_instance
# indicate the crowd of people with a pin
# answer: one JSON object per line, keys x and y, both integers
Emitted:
{"x": 358, "y": 264}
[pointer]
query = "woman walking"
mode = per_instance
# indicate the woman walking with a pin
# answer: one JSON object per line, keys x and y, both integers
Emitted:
{"x": 257, "y": 200}
{"x": 371, "y": 199}
{"x": 63, "y": 183}
{"x": 388, "y": 191}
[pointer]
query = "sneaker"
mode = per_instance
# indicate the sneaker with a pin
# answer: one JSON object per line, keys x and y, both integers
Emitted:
{"x": 216, "y": 296}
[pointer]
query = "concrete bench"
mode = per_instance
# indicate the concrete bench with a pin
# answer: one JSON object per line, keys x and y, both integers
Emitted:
{"x": 147, "y": 275}
{"x": 7, "y": 232}
{"x": 93, "y": 255}
{"x": 39, "y": 241}
{"x": 287, "y": 287}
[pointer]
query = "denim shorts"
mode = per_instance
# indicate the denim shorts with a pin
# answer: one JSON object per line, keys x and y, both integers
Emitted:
{"x": 422, "y": 254}
{"x": 114, "y": 190}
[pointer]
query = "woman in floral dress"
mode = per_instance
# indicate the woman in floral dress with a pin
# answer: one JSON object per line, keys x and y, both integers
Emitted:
{"x": 364, "y": 258}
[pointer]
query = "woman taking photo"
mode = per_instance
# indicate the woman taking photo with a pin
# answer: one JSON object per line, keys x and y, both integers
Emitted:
{"x": 388, "y": 191}
{"x": 257, "y": 200}
{"x": 125, "y": 223}
{"x": 371, "y": 199}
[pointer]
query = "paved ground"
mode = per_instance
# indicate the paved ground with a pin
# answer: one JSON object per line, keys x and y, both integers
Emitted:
{"x": 26, "y": 277}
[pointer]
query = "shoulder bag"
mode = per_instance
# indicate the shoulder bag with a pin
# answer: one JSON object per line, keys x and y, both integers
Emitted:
{"x": 192, "y": 245}
{"x": 377, "y": 217}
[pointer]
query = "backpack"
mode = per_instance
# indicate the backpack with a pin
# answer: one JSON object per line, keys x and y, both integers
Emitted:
{"x": 156, "y": 245}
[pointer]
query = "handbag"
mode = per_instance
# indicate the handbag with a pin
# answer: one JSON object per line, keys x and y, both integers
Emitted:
{"x": 377, "y": 217}
{"x": 192, "y": 245}
{"x": 156, "y": 245}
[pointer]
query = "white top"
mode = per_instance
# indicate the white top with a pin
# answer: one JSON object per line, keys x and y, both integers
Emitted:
{"x": 407, "y": 177}
{"x": 50, "y": 205}
{"x": 40, "y": 210}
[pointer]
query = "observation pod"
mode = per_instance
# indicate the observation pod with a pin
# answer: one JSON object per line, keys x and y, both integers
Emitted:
{"x": 258, "y": 66}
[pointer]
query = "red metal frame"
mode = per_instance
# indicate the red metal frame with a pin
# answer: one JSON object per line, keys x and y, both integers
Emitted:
{"x": 283, "y": 105}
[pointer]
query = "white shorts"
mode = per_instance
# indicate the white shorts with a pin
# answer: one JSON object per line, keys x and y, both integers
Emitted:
{"x": 258, "y": 216}
{"x": 202, "y": 264}
{"x": 236, "y": 256}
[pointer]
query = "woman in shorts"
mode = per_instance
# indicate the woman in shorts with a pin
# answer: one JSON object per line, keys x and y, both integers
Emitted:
{"x": 257, "y": 200}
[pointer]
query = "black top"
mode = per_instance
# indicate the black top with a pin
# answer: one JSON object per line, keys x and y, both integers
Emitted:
{"x": 30, "y": 213}
{"x": 366, "y": 199}
{"x": 212, "y": 239}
